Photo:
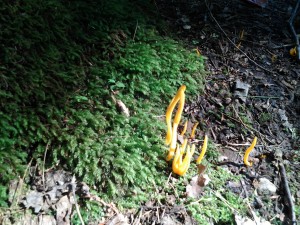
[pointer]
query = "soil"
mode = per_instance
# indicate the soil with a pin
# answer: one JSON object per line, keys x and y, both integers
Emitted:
{"x": 253, "y": 90}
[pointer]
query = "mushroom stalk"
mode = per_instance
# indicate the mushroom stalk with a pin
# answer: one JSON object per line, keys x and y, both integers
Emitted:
{"x": 194, "y": 130}
{"x": 247, "y": 153}
{"x": 178, "y": 97}
{"x": 184, "y": 128}
{"x": 204, "y": 147}
{"x": 180, "y": 166}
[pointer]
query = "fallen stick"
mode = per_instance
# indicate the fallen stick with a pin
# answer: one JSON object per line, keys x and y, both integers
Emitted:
{"x": 288, "y": 194}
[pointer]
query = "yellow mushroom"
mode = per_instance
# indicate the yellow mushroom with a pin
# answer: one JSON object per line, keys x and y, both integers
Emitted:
{"x": 247, "y": 163}
{"x": 178, "y": 97}
{"x": 183, "y": 146}
{"x": 176, "y": 158}
{"x": 173, "y": 143}
{"x": 194, "y": 130}
{"x": 293, "y": 51}
{"x": 180, "y": 166}
{"x": 204, "y": 147}
{"x": 182, "y": 151}
{"x": 184, "y": 128}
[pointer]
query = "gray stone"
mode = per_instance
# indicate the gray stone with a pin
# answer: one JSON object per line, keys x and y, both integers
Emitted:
{"x": 265, "y": 187}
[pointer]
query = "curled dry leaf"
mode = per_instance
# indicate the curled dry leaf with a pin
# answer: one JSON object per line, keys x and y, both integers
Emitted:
{"x": 122, "y": 108}
{"x": 203, "y": 180}
{"x": 195, "y": 188}
{"x": 201, "y": 169}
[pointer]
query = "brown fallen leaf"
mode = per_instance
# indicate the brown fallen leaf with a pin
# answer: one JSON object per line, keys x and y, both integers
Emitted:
{"x": 195, "y": 188}
{"x": 120, "y": 106}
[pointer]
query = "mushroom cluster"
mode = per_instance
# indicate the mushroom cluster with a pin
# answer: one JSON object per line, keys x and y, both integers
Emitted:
{"x": 182, "y": 154}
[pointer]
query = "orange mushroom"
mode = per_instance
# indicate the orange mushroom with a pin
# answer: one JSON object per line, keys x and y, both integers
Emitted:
{"x": 247, "y": 153}
{"x": 203, "y": 150}
{"x": 194, "y": 130}
{"x": 184, "y": 128}
{"x": 180, "y": 166}
{"x": 178, "y": 97}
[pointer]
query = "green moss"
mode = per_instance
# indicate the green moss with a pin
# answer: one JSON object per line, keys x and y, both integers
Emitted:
{"x": 61, "y": 62}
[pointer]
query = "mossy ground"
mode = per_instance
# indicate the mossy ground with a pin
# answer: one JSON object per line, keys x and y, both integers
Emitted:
{"x": 61, "y": 61}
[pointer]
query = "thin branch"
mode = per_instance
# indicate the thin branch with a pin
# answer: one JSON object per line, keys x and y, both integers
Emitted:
{"x": 285, "y": 183}
{"x": 73, "y": 183}
{"x": 136, "y": 27}
{"x": 44, "y": 162}
{"x": 23, "y": 178}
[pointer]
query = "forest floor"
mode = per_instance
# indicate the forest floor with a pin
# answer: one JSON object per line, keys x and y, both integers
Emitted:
{"x": 252, "y": 90}
{"x": 253, "y": 86}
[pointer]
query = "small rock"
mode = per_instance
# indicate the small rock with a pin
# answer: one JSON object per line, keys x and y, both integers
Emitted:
{"x": 168, "y": 220}
{"x": 264, "y": 186}
{"x": 187, "y": 27}
{"x": 241, "y": 90}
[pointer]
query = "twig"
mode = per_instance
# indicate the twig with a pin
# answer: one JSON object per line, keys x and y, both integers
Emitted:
{"x": 245, "y": 125}
{"x": 244, "y": 53}
{"x": 244, "y": 187}
{"x": 218, "y": 195}
{"x": 137, "y": 24}
{"x": 291, "y": 21}
{"x": 23, "y": 178}
{"x": 157, "y": 215}
{"x": 232, "y": 144}
{"x": 157, "y": 191}
{"x": 97, "y": 199}
{"x": 138, "y": 218}
{"x": 254, "y": 96}
{"x": 167, "y": 182}
{"x": 256, "y": 219}
{"x": 73, "y": 183}
{"x": 282, "y": 46}
{"x": 213, "y": 133}
{"x": 288, "y": 194}
{"x": 232, "y": 148}
{"x": 240, "y": 120}
{"x": 44, "y": 161}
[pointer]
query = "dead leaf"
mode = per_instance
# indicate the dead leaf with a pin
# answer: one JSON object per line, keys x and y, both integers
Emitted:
{"x": 34, "y": 200}
{"x": 64, "y": 210}
{"x": 122, "y": 108}
{"x": 203, "y": 180}
{"x": 119, "y": 219}
{"x": 201, "y": 169}
{"x": 193, "y": 190}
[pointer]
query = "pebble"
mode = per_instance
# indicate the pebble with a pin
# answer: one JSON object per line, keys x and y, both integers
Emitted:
{"x": 265, "y": 186}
